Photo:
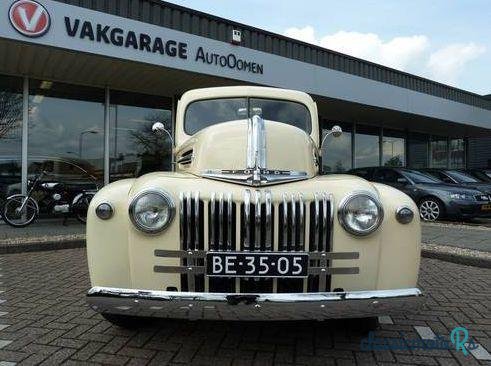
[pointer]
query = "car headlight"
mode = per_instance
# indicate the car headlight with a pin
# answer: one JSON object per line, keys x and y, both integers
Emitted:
{"x": 360, "y": 214}
{"x": 152, "y": 211}
{"x": 462, "y": 197}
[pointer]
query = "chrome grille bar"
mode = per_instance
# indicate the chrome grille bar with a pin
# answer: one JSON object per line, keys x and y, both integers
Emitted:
{"x": 324, "y": 222}
{"x": 220, "y": 222}
{"x": 247, "y": 219}
{"x": 229, "y": 221}
{"x": 188, "y": 214}
{"x": 212, "y": 221}
{"x": 196, "y": 220}
{"x": 268, "y": 239}
{"x": 316, "y": 223}
{"x": 182, "y": 221}
{"x": 257, "y": 221}
{"x": 285, "y": 223}
{"x": 301, "y": 224}
{"x": 292, "y": 245}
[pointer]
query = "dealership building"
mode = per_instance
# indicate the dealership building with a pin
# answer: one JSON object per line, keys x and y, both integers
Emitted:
{"x": 82, "y": 82}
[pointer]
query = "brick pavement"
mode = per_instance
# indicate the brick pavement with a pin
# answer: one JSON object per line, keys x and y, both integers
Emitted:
{"x": 50, "y": 324}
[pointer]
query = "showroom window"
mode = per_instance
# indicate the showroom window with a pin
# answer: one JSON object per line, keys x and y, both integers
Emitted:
{"x": 439, "y": 152}
{"x": 457, "y": 153}
{"x": 393, "y": 148}
{"x": 10, "y": 135}
{"x": 134, "y": 149}
{"x": 66, "y": 133}
{"x": 336, "y": 151}
{"x": 418, "y": 150}
{"x": 367, "y": 149}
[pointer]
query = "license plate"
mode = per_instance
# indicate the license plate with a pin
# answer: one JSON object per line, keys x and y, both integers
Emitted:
{"x": 263, "y": 264}
{"x": 486, "y": 207}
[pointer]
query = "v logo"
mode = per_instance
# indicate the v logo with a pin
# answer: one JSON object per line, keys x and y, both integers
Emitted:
{"x": 29, "y": 18}
{"x": 30, "y": 25}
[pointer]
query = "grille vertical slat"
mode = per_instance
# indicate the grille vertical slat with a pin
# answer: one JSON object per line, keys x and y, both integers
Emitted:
{"x": 269, "y": 232}
{"x": 212, "y": 222}
{"x": 189, "y": 222}
{"x": 257, "y": 221}
{"x": 315, "y": 246}
{"x": 293, "y": 241}
{"x": 284, "y": 244}
{"x": 247, "y": 219}
{"x": 196, "y": 220}
{"x": 301, "y": 224}
{"x": 220, "y": 223}
{"x": 229, "y": 221}
{"x": 322, "y": 245}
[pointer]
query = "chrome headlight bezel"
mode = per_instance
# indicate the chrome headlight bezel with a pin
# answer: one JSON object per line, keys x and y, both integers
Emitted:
{"x": 169, "y": 201}
{"x": 342, "y": 211}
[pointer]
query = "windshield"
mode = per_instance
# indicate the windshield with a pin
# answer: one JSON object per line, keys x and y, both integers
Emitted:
{"x": 418, "y": 177}
{"x": 205, "y": 113}
{"x": 461, "y": 177}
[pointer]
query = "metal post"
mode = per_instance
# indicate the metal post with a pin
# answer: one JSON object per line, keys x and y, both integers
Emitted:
{"x": 381, "y": 147}
{"x": 106, "y": 136}
{"x": 25, "y": 133}
{"x": 173, "y": 129}
{"x": 353, "y": 149}
{"x": 448, "y": 152}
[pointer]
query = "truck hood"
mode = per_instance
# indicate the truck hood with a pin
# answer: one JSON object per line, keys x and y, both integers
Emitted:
{"x": 252, "y": 152}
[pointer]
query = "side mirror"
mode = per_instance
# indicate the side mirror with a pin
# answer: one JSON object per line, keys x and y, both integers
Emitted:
{"x": 336, "y": 131}
{"x": 402, "y": 180}
{"x": 158, "y": 128}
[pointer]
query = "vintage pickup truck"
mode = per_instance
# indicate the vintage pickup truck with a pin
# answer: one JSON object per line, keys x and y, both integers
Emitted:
{"x": 246, "y": 227}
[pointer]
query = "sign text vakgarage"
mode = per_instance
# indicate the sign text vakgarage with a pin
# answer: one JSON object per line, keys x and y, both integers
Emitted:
{"x": 145, "y": 43}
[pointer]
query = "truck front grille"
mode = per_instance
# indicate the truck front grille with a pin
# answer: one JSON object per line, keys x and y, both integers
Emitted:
{"x": 257, "y": 221}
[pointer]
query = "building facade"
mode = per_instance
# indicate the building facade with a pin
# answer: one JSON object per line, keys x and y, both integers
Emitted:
{"x": 82, "y": 82}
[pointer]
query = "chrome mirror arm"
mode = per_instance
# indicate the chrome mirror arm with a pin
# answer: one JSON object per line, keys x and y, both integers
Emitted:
{"x": 159, "y": 129}
{"x": 336, "y": 131}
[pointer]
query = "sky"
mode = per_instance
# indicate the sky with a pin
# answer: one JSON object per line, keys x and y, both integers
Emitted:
{"x": 444, "y": 40}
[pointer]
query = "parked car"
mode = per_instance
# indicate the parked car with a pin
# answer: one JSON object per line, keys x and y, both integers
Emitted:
{"x": 481, "y": 174}
{"x": 435, "y": 198}
{"x": 459, "y": 177}
{"x": 247, "y": 228}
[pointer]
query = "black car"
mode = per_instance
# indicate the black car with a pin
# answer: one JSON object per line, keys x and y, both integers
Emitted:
{"x": 435, "y": 199}
{"x": 452, "y": 176}
{"x": 481, "y": 174}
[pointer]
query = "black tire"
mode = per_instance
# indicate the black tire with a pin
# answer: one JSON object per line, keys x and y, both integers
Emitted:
{"x": 125, "y": 321}
{"x": 81, "y": 206}
{"x": 15, "y": 218}
{"x": 431, "y": 209}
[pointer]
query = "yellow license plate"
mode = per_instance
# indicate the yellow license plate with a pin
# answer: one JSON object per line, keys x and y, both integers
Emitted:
{"x": 486, "y": 207}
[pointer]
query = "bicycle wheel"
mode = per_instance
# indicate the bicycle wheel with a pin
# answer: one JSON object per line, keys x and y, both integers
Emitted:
{"x": 13, "y": 215}
{"x": 80, "y": 206}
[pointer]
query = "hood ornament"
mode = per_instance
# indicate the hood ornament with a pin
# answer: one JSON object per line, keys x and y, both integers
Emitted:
{"x": 256, "y": 172}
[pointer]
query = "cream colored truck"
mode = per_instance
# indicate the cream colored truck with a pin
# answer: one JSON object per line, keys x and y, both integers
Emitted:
{"x": 246, "y": 227}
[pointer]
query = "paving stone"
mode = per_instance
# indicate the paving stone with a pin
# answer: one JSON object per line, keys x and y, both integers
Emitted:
{"x": 49, "y": 322}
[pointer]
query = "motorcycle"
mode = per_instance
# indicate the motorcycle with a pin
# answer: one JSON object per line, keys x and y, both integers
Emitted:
{"x": 56, "y": 198}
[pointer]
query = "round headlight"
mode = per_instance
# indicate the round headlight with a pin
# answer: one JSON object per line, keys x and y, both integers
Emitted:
{"x": 152, "y": 211}
{"x": 360, "y": 214}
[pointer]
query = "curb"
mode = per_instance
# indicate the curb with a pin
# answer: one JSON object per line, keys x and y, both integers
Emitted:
{"x": 456, "y": 258}
{"x": 41, "y": 246}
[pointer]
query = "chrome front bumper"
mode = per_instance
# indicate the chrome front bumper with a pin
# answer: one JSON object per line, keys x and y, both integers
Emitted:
{"x": 279, "y": 306}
